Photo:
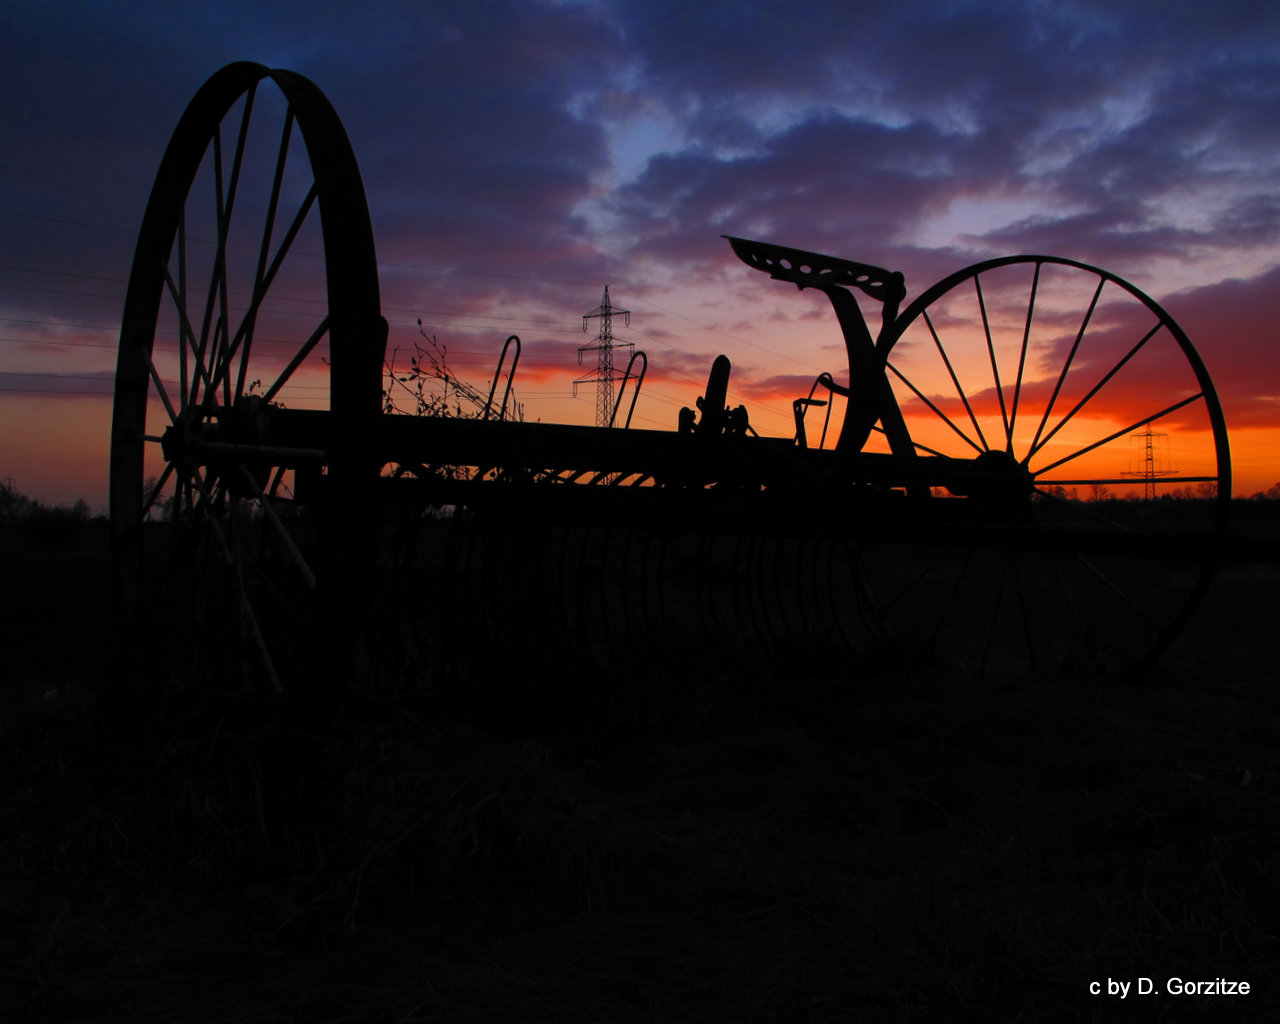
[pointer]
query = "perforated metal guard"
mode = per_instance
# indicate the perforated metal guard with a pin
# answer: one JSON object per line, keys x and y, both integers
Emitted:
{"x": 813, "y": 270}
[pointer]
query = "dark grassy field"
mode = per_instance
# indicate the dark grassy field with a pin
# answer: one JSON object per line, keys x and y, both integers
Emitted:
{"x": 752, "y": 842}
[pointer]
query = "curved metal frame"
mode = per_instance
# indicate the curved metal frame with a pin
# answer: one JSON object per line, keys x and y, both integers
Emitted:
{"x": 801, "y": 405}
{"x": 506, "y": 394}
{"x": 635, "y": 391}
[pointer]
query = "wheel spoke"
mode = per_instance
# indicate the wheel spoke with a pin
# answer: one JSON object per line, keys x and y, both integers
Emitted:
{"x": 1117, "y": 480}
{"x": 296, "y": 361}
{"x": 956, "y": 383}
{"x": 149, "y": 500}
{"x": 917, "y": 445}
{"x": 179, "y": 293}
{"x": 913, "y": 582}
{"x": 218, "y": 284}
{"x": 1133, "y": 605}
{"x": 221, "y": 343}
{"x": 237, "y": 161}
{"x": 267, "y": 507}
{"x": 1028, "y": 636}
{"x": 274, "y": 488}
{"x": 249, "y": 619}
{"x": 995, "y": 618}
{"x": 951, "y": 595}
{"x": 991, "y": 351}
{"x": 1120, "y": 433}
{"x": 1069, "y": 597}
{"x": 1081, "y": 508}
{"x": 1062, "y": 375}
{"x": 260, "y": 280}
{"x": 1096, "y": 388}
{"x": 217, "y": 279}
{"x": 1022, "y": 358}
{"x": 245, "y": 332}
{"x": 160, "y": 388}
{"x": 186, "y": 337}
{"x": 939, "y": 413}
{"x": 224, "y": 229}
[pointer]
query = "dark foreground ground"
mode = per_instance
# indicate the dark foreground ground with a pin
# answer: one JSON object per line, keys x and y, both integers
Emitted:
{"x": 748, "y": 844}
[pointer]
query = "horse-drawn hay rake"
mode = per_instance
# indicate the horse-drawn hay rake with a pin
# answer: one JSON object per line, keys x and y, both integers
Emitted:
{"x": 251, "y": 456}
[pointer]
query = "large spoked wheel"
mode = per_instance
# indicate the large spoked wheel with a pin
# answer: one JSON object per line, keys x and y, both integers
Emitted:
{"x": 250, "y": 363}
{"x": 1093, "y": 472}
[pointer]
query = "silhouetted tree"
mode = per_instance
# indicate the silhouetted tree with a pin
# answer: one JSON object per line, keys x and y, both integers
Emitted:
{"x": 429, "y": 366}
{"x": 13, "y": 506}
{"x": 148, "y": 486}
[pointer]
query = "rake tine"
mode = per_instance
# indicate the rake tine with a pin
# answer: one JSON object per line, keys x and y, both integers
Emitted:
{"x": 605, "y": 627}
{"x": 707, "y": 619}
{"x": 825, "y": 568}
{"x": 583, "y": 569}
{"x": 626, "y": 575}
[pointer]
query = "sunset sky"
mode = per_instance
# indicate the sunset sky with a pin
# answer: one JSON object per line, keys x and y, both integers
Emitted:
{"x": 519, "y": 156}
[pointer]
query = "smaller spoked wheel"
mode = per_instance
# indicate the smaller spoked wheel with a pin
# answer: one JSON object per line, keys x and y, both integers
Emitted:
{"x": 1077, "y": 467}
{"x": 251, "y": 345}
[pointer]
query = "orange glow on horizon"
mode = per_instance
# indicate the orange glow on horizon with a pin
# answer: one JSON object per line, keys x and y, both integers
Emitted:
{"x": 55, "y": 448}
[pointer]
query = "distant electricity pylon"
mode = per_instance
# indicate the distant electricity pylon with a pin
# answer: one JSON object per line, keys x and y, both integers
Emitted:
{"x": 605, "y": 374}
{"x": 1154, "y": 463}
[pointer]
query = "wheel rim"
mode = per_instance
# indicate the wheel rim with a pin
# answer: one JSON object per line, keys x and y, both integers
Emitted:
{"x": 1068, "y": 386}
{"x": 253, "y": 288}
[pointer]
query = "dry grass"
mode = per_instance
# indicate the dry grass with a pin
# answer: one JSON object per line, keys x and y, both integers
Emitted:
{"x": 740, "y": 843}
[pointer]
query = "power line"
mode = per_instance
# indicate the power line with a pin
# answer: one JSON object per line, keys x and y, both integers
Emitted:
{"x": 469, "y": 273}
{"x": 69, "y": 223}
{"x": 547, "y": 326}
{"x": 56, "y": 344}
{"x": 61, "y": 273}
{"x": 484, "y": 319}
{"x": 731, "y": 337}
{"x": 56, "y": 391}
{"x": 59, "y": 323}
{"x": 58, "y": 291}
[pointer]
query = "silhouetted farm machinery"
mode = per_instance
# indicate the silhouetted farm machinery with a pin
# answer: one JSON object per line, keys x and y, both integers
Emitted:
{"x": 948, "y": 506}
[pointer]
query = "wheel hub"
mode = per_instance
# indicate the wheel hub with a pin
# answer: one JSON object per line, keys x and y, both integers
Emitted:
{"x": 995, "y": 476}
{"x": 182, "y": 441}
{"x": 219, "y": 440}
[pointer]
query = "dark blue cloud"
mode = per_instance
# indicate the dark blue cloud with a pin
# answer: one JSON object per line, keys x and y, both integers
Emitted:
{"x": 483, "y": 130}
{"x": 1138, "y": 136}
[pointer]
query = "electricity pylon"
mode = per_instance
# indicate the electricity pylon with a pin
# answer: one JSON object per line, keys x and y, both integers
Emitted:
{"x": 1152, "y": 466}
{"x": 605, "y": 374}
